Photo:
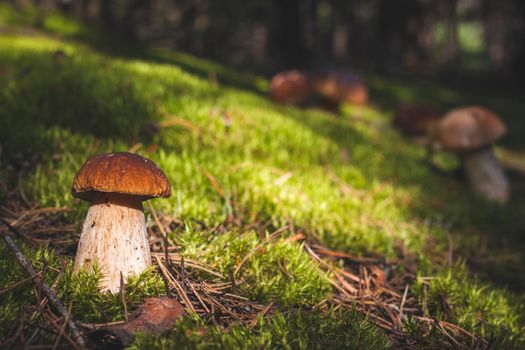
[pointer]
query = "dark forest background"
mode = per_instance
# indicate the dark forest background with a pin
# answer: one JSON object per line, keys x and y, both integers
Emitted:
{"x": 461, "y": 41}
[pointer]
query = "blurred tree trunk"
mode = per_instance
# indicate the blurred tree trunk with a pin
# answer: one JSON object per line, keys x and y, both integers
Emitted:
{"x": 339, "y": 29}
{"x": 107, "y": 17}
{"x": 121, "y": 18}
{"x": 390, "y": 34}
{"x": 504, "y": 24}
{"x": 402, "y": 26}
{"x": 424, "y": 32}
{"x": 80, "y": 9}
{"x": 312, "y": 26}
{"x": 392, "y": 18}
{"x": 451, "y": 49}
{"x": 187, "y": 25}
{"x": 518, "y": 62}
{"x": 39, "y": 20}
{"x": 64, "y": 6}
{"x": 129, "y": 21}
{"x": 287, "y": 35}
{"x": 361, "y": 33}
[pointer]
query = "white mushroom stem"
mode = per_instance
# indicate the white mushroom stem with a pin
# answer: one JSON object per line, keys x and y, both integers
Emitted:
{"x": 114, "y": 237}
{"x": 486, "y": 175}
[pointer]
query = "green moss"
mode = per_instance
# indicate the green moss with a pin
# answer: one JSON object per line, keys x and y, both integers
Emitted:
{"x": 349, "y": 182}
{"x": 453, "y": 296}
{"x": 81, "y": 290}
{"x": 16, "y": 299}
{"x": 90, "y": 305}
{"x": 62, "y": 25}
{"x": 279, "y": 271}
{"x": 290, "y": 330}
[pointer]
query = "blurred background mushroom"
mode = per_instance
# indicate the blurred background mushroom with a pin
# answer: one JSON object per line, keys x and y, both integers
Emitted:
{"x": 470, "y": 132}
{"x": 416, "y": 121}
{"x": 114, "y": 236}
{"x": 324, "y": 88}
{"x": 337, "y": 86}
{"x": 290, "y": 88}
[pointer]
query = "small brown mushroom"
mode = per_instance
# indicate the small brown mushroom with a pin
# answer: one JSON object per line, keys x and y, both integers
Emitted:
{"x": 416, "y": 122}
{"x": 290, "y": 88}
{"x": 415, "y": 119}
{"x": 470, "y": 133}
{"x": 340, "y": 86}
{"x": 114, "y": 232}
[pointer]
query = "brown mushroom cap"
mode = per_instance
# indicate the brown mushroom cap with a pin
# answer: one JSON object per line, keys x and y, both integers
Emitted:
{"x": 340, "y": 85}
{"x": 415, "y": 119}
{"x": 123, "y": 173}
{"x": 468, "y": 128}
{"x": 290, "y": 87}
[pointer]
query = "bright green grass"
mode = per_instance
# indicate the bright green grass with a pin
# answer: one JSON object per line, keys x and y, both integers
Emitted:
{"x": 276, "y": 165}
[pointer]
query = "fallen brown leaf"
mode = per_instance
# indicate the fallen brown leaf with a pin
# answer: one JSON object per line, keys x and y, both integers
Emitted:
{"x": 155, "y": 316}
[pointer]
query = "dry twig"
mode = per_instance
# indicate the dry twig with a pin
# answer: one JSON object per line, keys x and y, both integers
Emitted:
{"x": 50, "y": 294}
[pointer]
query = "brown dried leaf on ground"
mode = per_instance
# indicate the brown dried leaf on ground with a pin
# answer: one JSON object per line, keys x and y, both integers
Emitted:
{"x": 155, "y": 316}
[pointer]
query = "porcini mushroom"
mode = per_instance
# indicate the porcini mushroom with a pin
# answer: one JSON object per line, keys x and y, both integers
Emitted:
{"x": 416, "y": 121}
{"x": 470, "y": 132}
{"x": 114, "y": 231}
{"x": 340, "y": 86}
{"x": 290, "y": 87}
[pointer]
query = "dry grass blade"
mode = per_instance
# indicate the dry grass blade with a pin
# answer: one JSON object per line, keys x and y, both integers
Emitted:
{"x": 180, "y": 291}
{"x": 213, "y": 182}
{"x": 40, "y": 226}
{"x": 20, "y": 283}
{"x": 262, "y": 313}
{"x": 16, "y": 232}
{"x": 386, "y": 301}
{"x": 91, "y": 326}
{"x": 403, "y": 300}
{"x": 50, "y": 294}
{"x": 177, "y": 121}
{"x": 50, "y": 320}
{"x": 199, "y": 298}
{"x": 213, "y": 298}
{"x": 361, "y": 260}
{"x": 63, "y": 328}
{"x": 449, "y": 336}
{"x": 346, "y": 189}
{"x": 259, "y": 246}
{"x": 159, "y": 225}
{"x": 176, "y": 258}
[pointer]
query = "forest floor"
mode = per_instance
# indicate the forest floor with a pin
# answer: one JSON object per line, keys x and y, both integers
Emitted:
{"x": 299, "y": 228}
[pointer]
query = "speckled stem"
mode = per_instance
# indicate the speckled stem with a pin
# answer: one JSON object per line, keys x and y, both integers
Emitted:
{"x": 114, "y": 236}
{"x": 486, "y": 175}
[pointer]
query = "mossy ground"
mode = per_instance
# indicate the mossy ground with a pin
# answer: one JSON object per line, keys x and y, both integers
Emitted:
{"x": 349, "y": 182}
